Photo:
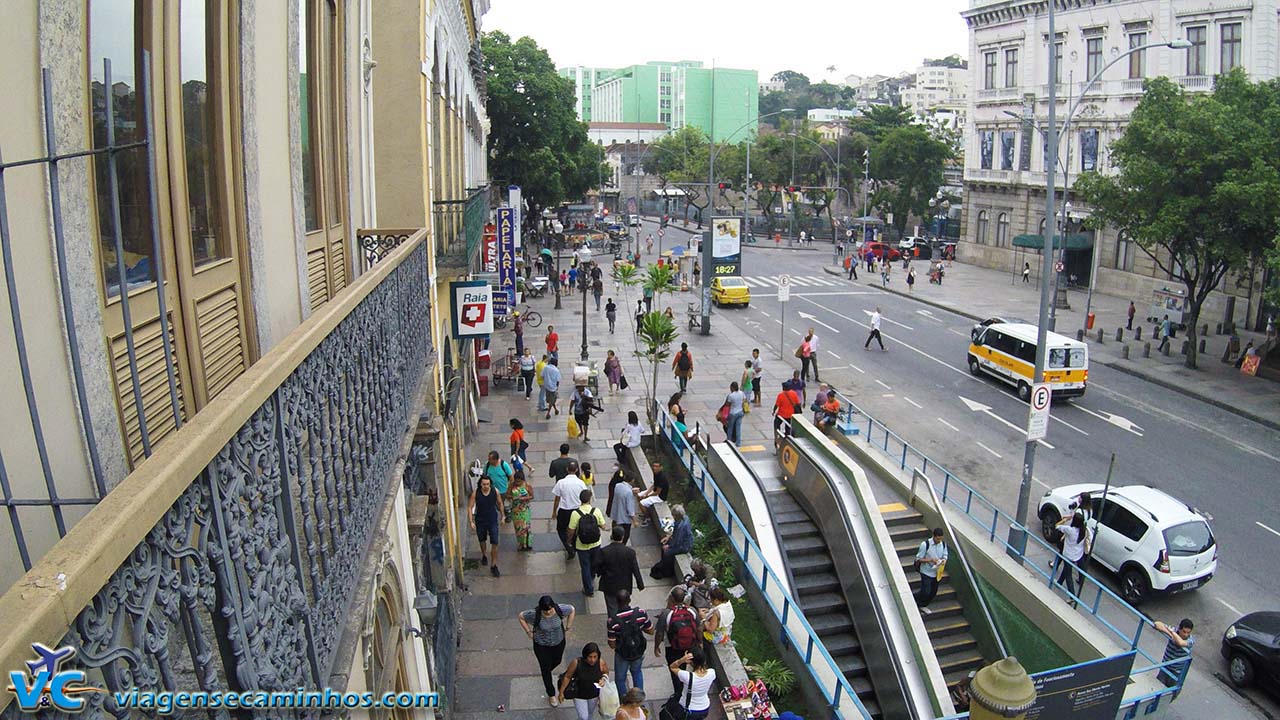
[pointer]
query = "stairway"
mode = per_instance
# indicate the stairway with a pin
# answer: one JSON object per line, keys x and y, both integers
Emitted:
{"x": 953, "y": 643}
{"x": 819, "y": 593}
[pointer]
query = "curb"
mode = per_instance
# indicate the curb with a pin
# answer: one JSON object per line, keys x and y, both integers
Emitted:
{"x": 1114, "y": 365}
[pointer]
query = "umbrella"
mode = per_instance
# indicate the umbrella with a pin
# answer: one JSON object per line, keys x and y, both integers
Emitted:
{"x": 546, "y": 252}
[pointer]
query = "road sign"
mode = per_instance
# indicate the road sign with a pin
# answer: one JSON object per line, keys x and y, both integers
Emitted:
{"x": 661, "y": 232}
{"x": 784, "y": 288}
{"x": 784, "y": 281}
{"x": 1059, "y": 267}
{"x": 1038, "y": 422}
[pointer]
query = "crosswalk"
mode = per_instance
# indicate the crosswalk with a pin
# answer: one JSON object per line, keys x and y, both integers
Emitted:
{"x": 771, "y": 281}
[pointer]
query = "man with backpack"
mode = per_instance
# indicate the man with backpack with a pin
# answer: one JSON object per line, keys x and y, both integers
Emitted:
{"x": 617, "y": 565}
{"x": 683, "y": 366}
{"x": 627, "y": 630}
{"x": 584, "y": 532}
{"x": 678, "y": 628}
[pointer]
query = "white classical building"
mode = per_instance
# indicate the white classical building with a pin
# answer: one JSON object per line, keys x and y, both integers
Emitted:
{"x": 1005, "y": 158}
{"x": 940, "y": 97}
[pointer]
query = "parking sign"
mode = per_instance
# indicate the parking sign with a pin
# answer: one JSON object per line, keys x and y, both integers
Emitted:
{"x": 1038, "y": 422}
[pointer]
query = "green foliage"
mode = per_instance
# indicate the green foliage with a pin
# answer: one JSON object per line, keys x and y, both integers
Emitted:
{"x": 775, "y": 675}
{"x": 950, "y": 61}
{"x": 1198, "y": 182}
{"x": 535, "y": 139}
{"x": 659, "y": 279}
{"x": 908, "y": 163}
{"x": 657, "y": 333}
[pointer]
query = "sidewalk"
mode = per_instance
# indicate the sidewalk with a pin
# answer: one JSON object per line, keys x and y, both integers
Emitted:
{"x": 979, "y": 293}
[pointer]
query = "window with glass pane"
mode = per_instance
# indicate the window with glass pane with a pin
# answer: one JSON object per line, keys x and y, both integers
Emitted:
{"x": 333, "y": 118}
{"x": 1138, "y": 60}
{"x": 1057, "y": 55}
{"x": 1088, "y": 149}
{"x": 1196, "y": 53}
{"x": 1002, "y": 230}
{"x": 1124, "y": 252}
{"x": 983, "y": 221}
{"x": 113, "y": 35}
{"x": 989, "y": 70}
{"x": 1232, "y": 45}
{"x": 208, "y": 242}
{"x": 1093, "y": 54}
{"x": 307, "y": 116}
{"x": 1011, "y": 67}
{"x": 988, "y": 140}
{"x": 1007, "y": 143}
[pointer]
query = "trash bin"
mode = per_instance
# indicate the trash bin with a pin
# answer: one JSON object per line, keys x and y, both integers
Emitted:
{"x": 484, "y": 385}
{"x": 1089, "y": 323}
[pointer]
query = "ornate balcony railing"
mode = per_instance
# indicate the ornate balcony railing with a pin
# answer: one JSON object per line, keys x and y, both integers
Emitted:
{"x": 229, "y": 559}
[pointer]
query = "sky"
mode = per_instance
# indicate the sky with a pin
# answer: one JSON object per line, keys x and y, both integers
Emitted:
{"x": 861, "y": 37}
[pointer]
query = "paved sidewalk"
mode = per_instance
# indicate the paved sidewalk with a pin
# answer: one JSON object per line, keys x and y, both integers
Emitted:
{"x": 980, "y": 293}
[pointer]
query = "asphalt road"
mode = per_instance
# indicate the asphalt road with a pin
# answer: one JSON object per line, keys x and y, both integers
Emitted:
{"x": 920, "y": 387}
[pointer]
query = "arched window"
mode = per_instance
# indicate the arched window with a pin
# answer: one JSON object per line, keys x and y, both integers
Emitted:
{"x": 983, "y": 221}
{"x": 1002, "y": 230}
{"x": 1124, "y": 252}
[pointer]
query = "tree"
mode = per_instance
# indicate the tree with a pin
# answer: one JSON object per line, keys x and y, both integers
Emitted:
{"x": 534, "y": 138}
{"x": 950, "y": 61}
{"x": 908, "y": 162}
{"x": 1197, "y": 185}
{"x": 656, "y": 332}
{"x": 790, "y": 78}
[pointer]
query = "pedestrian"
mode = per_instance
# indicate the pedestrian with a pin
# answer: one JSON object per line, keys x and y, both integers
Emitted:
{"x": 805, "y": 353}
{"x": 875, "y": 331}
{"x": 813, "y": 353}
{"x": 572, "y": 278}
{"x": 1178, "y": 648}
{"x": 675, "y": 410}
{"x": 829, "y": 411}
{"x": 682, "y": 365}
{"x": 585, "y": 525}
{"x": 697, "y": 274}
{"x": 485, "y": 515}
{"x": 527, "y": 366}
{"x": 582, "y": 404}
{"x": 639, "y": 314}
{"x": 611, "y": 314}
{"x": 678, "y": 542}
{"x": 869, "y": 258}
{"x": 1026, "y": 273}
{"x": 617, "y": 566}
{"x": 499, "y": 471}
{"x": 940, "y": 272}
{"x": 586, "y": 475}
{"x": 1166, "y": 332}
{"x": 582, "y": 681}
{"x": 797, "y": 384}
{"x": 911, "y": 281}
{"x": 623, "y": 507}
{"x": 677, "y": 628}
{"x": 657, "y": 492}
{"x": 930, "y": 559}
{"x": 851, "y": 266}
{"x": 612, "y": 371}
{"x": 648, "y": 299}
{"x": 748, "y": 377}
{"x": 1073, "y": 539}
{"x": 631, "y": 706}
{"x": 803, "y": 237}
{"x": 1128, "y": 325}
{"x": 757, "y": 375}
{"x": 718, "y": 621}
{"x": 551, "y": 385}
{"x": 628, "y": 624}
{"x": 565, "y": 287}
{"x": 648, "y": 245}
{"x": 519, "y": 446}
{"x": 563, "y": 465}
{"x": 629, "y": 437}
{"x": 553, "y": 343}
{"x": 547, "y": 625}
{"x": 537, "y": 376}
{"x": 597, "y": 291}
{"x": 518, "y": 324}
{"x": 696, "y": 680}
{"x": 785, "y": 406}
{"x": 521, "y": 497}
{"x": 734, "y": 401}
{"x": 565, "y": 496}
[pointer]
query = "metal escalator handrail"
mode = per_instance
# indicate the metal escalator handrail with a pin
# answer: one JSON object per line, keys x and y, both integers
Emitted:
{"x": 964, "y": 561}
{"x": 773, "y": 522}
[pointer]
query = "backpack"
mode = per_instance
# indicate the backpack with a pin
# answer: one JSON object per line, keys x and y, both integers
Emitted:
{"x": 682, "y": 629}
{"x": 588, "y": 527}
{"x": 631, "y": 640}
{"x": 683, "y": 362}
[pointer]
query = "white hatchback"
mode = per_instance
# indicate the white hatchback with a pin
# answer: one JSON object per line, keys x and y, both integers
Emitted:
{"x": 1152, "y": 541}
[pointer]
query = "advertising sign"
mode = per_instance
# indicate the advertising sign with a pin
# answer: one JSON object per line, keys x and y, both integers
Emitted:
{"x": 1089, "y": 691}
{"x": 726, "y": 246}
{"x": 506, "y": 261}
{"x": 472, "y": 314}
{"x": 513, "y": 192}
{"x": 490, "y": 248}
{"x": 1038, "y": 422}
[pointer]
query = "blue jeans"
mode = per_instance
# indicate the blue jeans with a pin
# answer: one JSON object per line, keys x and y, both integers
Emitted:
{"x": 621, "y": 667}
{"x": 584, "y": 562}
{"x": 733, "y": 429}
{"x": 542, "y": 399}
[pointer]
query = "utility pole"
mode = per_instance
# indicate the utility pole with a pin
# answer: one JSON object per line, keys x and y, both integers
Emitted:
{"x": 866, "y": 181}
{"x": 792, "y": 208}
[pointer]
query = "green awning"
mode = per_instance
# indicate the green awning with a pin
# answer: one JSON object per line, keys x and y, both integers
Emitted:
{"x": 1075, "y": 241}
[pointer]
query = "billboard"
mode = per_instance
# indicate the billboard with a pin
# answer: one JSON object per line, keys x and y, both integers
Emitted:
{"x": 506, "y": 260}
{"x": 490, "y": 248}
{"x": 472, "y": 311}
{"x": 726, "y": 246}
{"x": 1088, "y": 691}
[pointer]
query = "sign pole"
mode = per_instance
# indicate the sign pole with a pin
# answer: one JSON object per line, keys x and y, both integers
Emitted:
{"x": 784, "y": 294}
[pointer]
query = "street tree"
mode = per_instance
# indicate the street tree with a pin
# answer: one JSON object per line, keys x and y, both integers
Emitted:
{"x": 656, "y": 332}
{"x": 907, "y": 163}
{"x": 1197, "y": 183}
{"x": 535, "y": 139}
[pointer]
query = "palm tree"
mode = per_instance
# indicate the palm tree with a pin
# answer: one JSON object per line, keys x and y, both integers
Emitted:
{"x": 656, "y": 331}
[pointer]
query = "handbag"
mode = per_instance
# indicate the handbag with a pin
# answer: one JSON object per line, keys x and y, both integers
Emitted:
{"x": 573, "y": 428}
{"x": 675, "y": 708}
{"x": 722, "y": 415}
{"x": 570, "y": 690}
{"x": 799, "y": 353}
{"x": 746, "y": 407}
{"x": 622, "y": 382}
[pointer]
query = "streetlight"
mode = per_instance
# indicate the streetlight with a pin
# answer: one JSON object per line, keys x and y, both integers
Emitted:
{"x": 942, "y": 205}
{"x": 866, "y": 182}
{"x": 707, "y": 265}
{"x": 834, "y": 163}
{"x": 1018, "y": 537}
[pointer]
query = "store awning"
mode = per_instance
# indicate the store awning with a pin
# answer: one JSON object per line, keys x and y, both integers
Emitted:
{"x": 1075, "y": 241}
{"x": 669, "y": 192}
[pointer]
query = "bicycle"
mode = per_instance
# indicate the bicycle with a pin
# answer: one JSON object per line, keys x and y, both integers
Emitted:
{"x": 532, "y": 317}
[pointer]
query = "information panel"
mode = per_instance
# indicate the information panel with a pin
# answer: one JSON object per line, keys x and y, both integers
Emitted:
{"x": 726, "y": 246}
{"x": 1089, "y": 691}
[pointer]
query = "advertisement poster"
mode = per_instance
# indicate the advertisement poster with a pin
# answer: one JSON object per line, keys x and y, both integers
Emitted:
{"x": 726, "y": 246}
{"x": 513, "y": 192}
{"x": 1088, "y": 691}
{"x": 490, "y": 248}
{"x": 506, "y": 260}
{"x": 472, "y": 314}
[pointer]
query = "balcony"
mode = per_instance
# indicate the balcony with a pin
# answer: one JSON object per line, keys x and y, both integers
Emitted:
{"x": 1002, "y": 176}
{"x": 1196, "y": 82}
{"x": 458, "y": 226}
{"x": 999, "y": 96}
{"x": 234, "y": 556}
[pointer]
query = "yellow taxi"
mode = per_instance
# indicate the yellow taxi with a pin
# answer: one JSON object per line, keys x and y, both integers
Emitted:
{"x": 730, "y": 290}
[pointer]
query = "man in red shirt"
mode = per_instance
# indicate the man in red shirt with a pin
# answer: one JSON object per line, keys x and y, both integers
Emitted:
{"x": 553, "y": 343}
{"x": 784, "y": 407}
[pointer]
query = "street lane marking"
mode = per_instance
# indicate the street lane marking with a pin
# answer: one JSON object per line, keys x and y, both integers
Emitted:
{"x": 886, "y": 395}
{"x": 929, "y": 316}
{"x": 1228, "y": 606}
{"x": 814, "y": 319}
{"x": 917, "y": 405}
{"x": 855, "y": 367}
{"x": 793, "y": 330}
{"x": 833, "y": 355}
{"x": 1120, "y": 422}
{"x": 881, "y": 384}
{"x": 1037, "y": 481}
{"x": 764, "y": 313}
{"x": 953, "y": 427}
{"x": 986, "y": 410}
{"x": 961, "y": 333}
{"x": 825, "y": 294}
{"x": 895, "y": 322}
{"x": 1269, "y": 529}
{"x": 984, "y": 447}
{"x": 1047, "y": 445}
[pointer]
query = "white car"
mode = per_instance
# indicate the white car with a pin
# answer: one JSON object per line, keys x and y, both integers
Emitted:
{"x": 911, "y": 241}
{"x": 633, "y": 220}
{"x": 1153, "y": 542}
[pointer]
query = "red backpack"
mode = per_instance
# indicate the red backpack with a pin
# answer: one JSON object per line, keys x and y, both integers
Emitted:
{"x": 682, "y": 629}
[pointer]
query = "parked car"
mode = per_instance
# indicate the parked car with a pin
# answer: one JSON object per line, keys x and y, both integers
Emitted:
{"x": 1149, "y": 539}
{"x": 915, "y": 247}
{"x": 973, "y": 334}
{"x": 1251, "y": 646}
{"x": 731, "y": 290}
{"x": 633, "y": 220}
{"x": 880, "y": 249}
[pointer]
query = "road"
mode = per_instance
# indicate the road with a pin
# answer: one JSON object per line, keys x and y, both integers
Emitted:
{"x": 920, "y": 387}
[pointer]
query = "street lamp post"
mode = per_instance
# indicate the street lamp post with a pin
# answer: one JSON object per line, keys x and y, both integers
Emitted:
{"x": 1018, "y": 534}
{"x": 866, "y": 182}
{"x": 834, "y": 163}
{"x": 792, "y": 239}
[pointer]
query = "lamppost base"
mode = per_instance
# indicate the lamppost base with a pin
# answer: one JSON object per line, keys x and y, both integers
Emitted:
{"x": 1060, "y": 299}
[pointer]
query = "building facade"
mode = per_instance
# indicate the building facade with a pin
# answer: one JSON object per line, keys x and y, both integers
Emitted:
{"x": 224, "y": 338}
{"x": 584, "y": 81}
{"x": 608, "y": 133}
{"x": 1005, "y": 158}
{"x": 721, "y": 102}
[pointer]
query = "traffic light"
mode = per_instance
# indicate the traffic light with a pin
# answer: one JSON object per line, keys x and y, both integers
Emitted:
{"x": 793, "y": 189}
{"x": 726, "y": 186}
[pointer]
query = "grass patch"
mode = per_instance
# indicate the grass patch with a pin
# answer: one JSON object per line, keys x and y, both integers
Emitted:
{"x": 1034, "y": 649}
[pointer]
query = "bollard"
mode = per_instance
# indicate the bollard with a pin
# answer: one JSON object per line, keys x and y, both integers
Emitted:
{"x": 1138, "y": 335}
{"x": 1146, "y": 350}
{"x": 1204, "y": 330}
{"x": 1202, "y": 346}
{"x": 1164, "y": 348}
{"x": 1219, "y": 328}
{"x": 1099, "y": 336}
{"x": 1080, "y": 335}
{"x": 1186, "y": 347}
{"x": 1119, "y": 334}
{"x": 1124, "y": 352}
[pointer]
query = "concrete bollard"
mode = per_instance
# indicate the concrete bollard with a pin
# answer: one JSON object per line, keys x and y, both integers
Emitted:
{"x": 1186, "y": 347}
{"x": 1080, "y": 335}
{"x": 1219, "y": 328}
{"x": 1202, "y": 346}
{"x": 1119, "y": 334}
{"x": 1138, "y": 334}
{"x": 1100, "y": 334}
{"x": 1164, "y": 349}
{"x": 1124, "y": 352}
{"x": 1146, "y": 350}
{"x": 1204, "y": 330}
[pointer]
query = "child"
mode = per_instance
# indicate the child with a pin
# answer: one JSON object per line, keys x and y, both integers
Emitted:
{"x": 588, "y": 478}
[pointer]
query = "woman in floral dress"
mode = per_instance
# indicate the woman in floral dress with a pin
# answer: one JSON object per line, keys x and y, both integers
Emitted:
{"x": 521, "y": 497}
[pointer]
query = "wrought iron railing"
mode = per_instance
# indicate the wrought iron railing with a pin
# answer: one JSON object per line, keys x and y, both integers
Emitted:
{"x": 458, "y": 226}
{"x": 230, "y": 557}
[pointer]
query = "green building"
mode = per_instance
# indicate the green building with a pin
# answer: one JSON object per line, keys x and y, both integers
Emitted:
{"x": 584, "y": 80}
{"x": 676, "y": 94}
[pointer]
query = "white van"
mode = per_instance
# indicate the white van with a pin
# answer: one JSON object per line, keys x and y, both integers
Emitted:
{"x": 1008, "y": 352}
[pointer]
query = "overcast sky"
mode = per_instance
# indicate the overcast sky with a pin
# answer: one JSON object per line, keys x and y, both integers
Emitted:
{"x": 862, "y": 37}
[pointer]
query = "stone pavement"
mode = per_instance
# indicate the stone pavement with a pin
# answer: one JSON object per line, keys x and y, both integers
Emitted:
{"x": 980, "y": 293}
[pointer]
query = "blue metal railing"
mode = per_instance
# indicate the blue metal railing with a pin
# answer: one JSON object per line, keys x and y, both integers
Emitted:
{"x": 795, "y": 628}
